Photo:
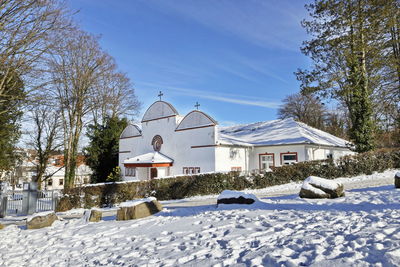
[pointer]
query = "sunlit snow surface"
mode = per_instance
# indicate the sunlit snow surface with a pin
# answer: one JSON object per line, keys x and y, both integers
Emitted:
{"x": 361, "y": 229}
{"x": 277, "y": 132}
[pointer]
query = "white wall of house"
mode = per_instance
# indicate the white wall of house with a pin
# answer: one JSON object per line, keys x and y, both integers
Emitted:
{"x": 228, "y": 158}
{"x": 189, "y": 147}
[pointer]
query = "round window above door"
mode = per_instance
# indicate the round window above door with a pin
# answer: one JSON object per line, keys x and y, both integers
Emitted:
{"x": 157, "y": 143}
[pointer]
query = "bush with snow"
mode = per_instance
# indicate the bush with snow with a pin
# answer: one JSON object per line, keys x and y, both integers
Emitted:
{"x": 102, "y": 195}
{"x": 316, "y": 187}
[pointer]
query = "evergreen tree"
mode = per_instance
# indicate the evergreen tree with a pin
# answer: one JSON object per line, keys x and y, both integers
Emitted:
{"x": 10, "y": 115}
{"x": 102, "y": 151}
{"x": 345, "y": 50}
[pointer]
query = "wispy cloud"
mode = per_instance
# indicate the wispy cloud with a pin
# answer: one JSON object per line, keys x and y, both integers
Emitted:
{"x": 274, "y": 24}
{"x": 227, "y": 98}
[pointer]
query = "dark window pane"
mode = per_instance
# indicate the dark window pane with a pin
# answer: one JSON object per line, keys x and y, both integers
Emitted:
{"x": 289, "y": 157}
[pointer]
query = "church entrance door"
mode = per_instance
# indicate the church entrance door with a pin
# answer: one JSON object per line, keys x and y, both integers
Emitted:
{"x": 153, "y": 173}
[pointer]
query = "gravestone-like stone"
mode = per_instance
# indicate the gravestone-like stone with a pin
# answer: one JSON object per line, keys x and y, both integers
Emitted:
{"x": 41, "y": 220}
{"x": 316, "y": 187}
{"x": 235, "y": 197}
{"x": 138, "y": 209}
{"x": 397, "y": 180}
{"x": 95, "y": 215}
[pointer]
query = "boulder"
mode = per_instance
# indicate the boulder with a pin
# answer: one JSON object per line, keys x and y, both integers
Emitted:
{"x": 397, "y": 180}
{"x": 138, "y": 209}
{"x": 235, "y": 197}
{"x": 93, "y": 215}
{"x": 2, "y": 226}
{"x": 316, "y": 187}
{"x": 41, "y": 220}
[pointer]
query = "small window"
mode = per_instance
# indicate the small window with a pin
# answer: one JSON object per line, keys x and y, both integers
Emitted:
{"x": 129, "y": 171}
{"x": 236, "y": 169}
{"x": 61, "y": 182}
{"x": 289, "y": 158}
{"x": 329, "y": 156}
{"x": 50, "y": 182}
{"x": 191, "y": 170}
{"x": 266, "y": 161}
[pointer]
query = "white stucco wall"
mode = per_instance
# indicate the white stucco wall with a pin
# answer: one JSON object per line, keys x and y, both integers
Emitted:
{"x": 184, "y": 147}
{"x": 227, "y": 157}
{"x": 276, "y": 150}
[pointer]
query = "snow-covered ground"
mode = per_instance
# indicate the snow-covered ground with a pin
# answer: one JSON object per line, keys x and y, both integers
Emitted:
{"x": 360, "y": 229}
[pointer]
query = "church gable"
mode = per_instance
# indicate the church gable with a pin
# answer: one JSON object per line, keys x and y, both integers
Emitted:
{"x": 159, "y": 110}
{"x": 131, "y": 131}
{"x": 195, "y": 119}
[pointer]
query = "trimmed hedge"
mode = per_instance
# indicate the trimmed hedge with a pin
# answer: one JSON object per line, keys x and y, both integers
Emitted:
{"x": 204, "y": 184}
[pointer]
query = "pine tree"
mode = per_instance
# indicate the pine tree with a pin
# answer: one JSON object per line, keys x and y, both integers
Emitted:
{"x": 102, "y": 151}
{"x": 345, "y": 52}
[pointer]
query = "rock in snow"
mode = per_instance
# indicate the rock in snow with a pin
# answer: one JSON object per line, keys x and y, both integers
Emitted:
{"x": 138, "y": 209}
{"x": 236, "y": 197}
{"x": 40, "y": 220}
{"x": 397, "y": 180}
{"x": 316, "y": 187}
{"x": 93, "y": 215}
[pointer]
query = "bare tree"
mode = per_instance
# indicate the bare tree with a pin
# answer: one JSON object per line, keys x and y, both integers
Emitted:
{"x": 88, "y": 87}
{"x": 45, "y": 138}
{"x": 115, "y": 97}
{"x": 304, "y": 108}
{"x": 26, "y": 34}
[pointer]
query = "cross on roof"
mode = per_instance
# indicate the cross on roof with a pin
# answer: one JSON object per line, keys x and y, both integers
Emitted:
{"x": 197, "y": 105}
{"x": 160, "y": 95}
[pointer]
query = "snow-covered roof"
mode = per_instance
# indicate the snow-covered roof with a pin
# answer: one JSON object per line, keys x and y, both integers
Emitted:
{"x": 152, "y": 157}
{"x": 277, "y": 132}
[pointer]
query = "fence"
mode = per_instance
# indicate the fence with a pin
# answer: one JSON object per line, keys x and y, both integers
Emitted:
{"x": 14, "y": 203}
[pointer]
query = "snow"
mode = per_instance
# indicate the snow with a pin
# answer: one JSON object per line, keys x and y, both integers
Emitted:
{"x": 277, "y": 132}
{"x": 360, "y": 229}
{"x": 236, "y": 194}
{"x": 152, "y": 157}
{"x": 397, "y": 174}
{"x": 136, "y": 202}
{"x": 320, "y": 182}
{"x": 313, "y": 189}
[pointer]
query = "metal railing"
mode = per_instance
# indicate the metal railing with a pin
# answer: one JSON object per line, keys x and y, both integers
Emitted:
{"x": 15, "y": 203}
{"x": 46, "y": 200}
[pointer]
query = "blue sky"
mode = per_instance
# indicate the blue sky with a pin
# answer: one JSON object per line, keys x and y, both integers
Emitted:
{"x": 236, "y": 57}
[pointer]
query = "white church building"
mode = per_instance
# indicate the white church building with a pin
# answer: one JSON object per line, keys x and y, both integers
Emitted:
{"x": 166, "y": 143}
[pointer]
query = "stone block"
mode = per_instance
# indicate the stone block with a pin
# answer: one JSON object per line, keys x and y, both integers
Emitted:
{"x": 95, "y": 215}
{"x": 41, "y": 221}
{"x": 138, "y": 211}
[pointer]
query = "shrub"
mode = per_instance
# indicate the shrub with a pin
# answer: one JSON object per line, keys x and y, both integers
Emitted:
{"x": 186, "y": 186}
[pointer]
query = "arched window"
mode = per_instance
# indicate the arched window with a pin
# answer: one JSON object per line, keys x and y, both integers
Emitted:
{"x": 157, "y": 142}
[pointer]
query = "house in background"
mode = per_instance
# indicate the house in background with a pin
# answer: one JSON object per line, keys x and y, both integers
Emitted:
{"x": 56, "y": 170}
{"x": 166, "y": 143}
